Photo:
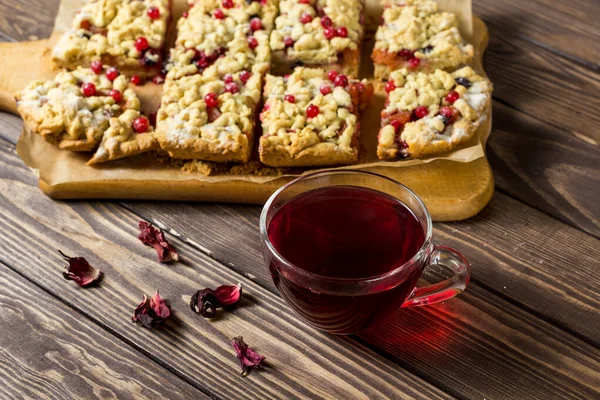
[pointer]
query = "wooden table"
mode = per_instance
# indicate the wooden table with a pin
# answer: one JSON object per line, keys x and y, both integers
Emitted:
{"x": 528, "y": 327}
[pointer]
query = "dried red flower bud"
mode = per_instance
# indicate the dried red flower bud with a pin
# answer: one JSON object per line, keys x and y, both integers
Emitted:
{"x": 248, "y": 357}
{"x": 206, "y": 301}
{"x": 151, "y": 312}
{"x": 80, "y": 271}
{"x": 153, "y": 237}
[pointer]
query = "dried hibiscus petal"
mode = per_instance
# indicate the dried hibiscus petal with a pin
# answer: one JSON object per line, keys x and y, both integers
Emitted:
{"x": 206, "y": 301}
{"x": 80, "y": 271}
{"x": 248, "y": 357}
{"x": 151, "y": 312}
{"x": 153, "y": 237}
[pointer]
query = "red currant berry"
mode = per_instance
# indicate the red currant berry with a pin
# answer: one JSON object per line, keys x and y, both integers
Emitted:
{"x": 452, "y": 96}
{"x": 255, "y": 24}
{"x": 96, "y": 66}
{"x": 252, "y": 42}
{"x": 326, "y": 22}
{"x": 141, "y": 44}
{"x": 227, "y": 3}
{"x": 306, "y": 18}
{"x": 140, "y": 124}
{"x": 289, "y": 98}
{"x": 406, "y": 53}
{"x": 228, "y": 78}
{"x": 244, "y": 76}
{"x": 390, "y": 86}
{"x": 341, "y": 32}
{"x": 89, "y": 89}
{"x": 153, "y": 12}
{"x": 325, "y": 89}
{"x": 449, "y": 114}
{"x": 288, "y": 41}
{"x": 185, "y": 14}
{"x": 304, "y": 1}
{"x": 340, "y": 80}
{"x": 447, "y": 111}
{"x": 116, "y": 95}
{"x": 219, "y": 14}
{"x": 312, "y": 111}
{"x": 112, "y": 73}
{"x": 421, "y": 112}
{"x": 232, "y": 87}
{"x": 396, "y": 124}
{"x": 414, "y": 62}
{"x": 331, "y": 75}
{"x": 211, "y": 99}
{"x": 136, "y": 80}
{"x": 329, "y": 33}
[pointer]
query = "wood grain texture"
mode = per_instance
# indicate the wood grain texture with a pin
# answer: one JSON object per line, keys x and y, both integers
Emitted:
{"x": 48, "y": 350}
{"x": 569, "y": 28}
{"x": 537, "y": 164}
{"x": 28, "y": 19}
{"x": 302, "y": 362}
{"x": 553, "y": 89}
{"x": 505, "y": 242}
{"x": 475, "y": 344}
{"x": 515, "y": 251}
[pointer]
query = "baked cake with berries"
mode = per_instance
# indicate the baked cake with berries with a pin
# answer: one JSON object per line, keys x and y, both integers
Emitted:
{"x": 123, "y": 33}
{"x": 210, "y": 116}
{"x": 318, "y": 33}
{"x": 231, "y": 34}
{"x": 310, "y": 118}
{"x": 415, "y": 34}
{"x": 76, "y": 110}
{"x": 430, "y": 113}
{"x": 128, "y": 134}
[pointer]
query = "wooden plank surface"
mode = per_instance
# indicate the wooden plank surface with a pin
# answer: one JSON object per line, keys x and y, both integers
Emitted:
{"x": 515, "y": 251}
{"x": 534, "y": 80}
{"x": 302, "y": 362}
{"x": 532, "y": 273}
{"x": 48, "y": 350}
{"x": 541, "y": 166}
{"x": 567, "y": 27}
{"x": 485, "y": 338}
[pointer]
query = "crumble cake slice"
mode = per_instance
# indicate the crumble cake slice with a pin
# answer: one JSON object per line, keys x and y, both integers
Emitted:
{"x": 128, "y": 134}
{"x": 318, "y": 33}
{"x": 431, "y": 113}
{"x": 415, "y": 34}
{"x": 73, "y": 110}
{"x": 210, "y": 116}
{"x": 128, "y": 34}
{"x": 310, "y": 118}
{"x": 234, "y": 34}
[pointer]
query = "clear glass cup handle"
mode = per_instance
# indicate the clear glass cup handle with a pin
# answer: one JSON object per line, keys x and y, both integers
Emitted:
{"x": 449, "y": 258}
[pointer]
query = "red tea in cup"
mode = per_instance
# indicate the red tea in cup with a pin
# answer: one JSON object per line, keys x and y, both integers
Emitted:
{"x": 345, "y": 256}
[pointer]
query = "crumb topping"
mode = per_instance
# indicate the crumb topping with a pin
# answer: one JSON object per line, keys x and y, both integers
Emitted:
{"x": 289, "y": 123}
{"x": 425, "y": 108}
{"x": 110, "y": 28}
{"x": 316, "y": 31}
{"x": 208, "y": 106}
{"x": 61, "y": 111}
{"x": 418, "y": 29}
{"x": 232, "y": 34}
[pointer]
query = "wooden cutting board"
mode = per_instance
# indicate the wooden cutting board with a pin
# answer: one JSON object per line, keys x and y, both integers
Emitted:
{"x": 451, "y": 190}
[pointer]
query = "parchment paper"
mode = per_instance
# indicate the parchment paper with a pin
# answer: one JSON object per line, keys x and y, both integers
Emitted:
{"x": 58, "y": 166}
